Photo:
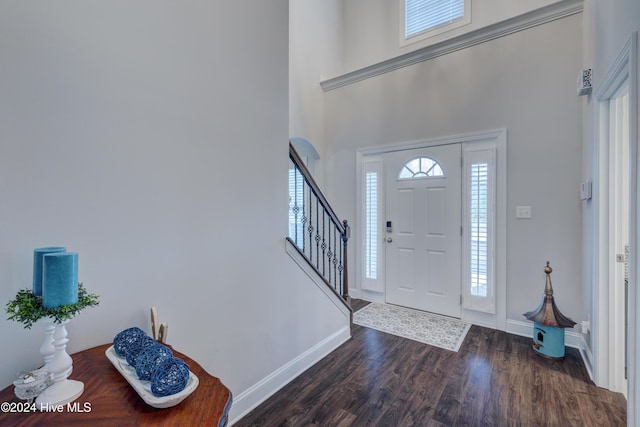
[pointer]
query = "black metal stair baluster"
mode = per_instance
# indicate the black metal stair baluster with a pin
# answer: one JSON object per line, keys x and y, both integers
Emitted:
{"x": 317, "y": 236}
{"x": 335, "y": 254}
{"x": 310, "y": 226}
{"x": 331, "y": 253}
{"x": 324, "y": 244}
{"x": 336, "y": 251}
{"x": 340, "y": 279}
{"x": 339, "y": 265}
{"x": 303, "y": 227}
{"x": 296, "y": 206}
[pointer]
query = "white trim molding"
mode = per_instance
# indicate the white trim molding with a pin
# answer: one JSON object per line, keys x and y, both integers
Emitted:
{"x": 494, "y": 136}
{"x": 525, "y": 329}
{"x": 249, "y": 399}
{"x": 624, "y": 70}
{"x": 525, "y": 21}
{"x": 572, "y": 339}
{"x": 246, "y": 401}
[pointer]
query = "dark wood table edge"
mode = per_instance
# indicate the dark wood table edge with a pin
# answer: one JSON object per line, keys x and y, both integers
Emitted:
{"x": 98, "y": 352}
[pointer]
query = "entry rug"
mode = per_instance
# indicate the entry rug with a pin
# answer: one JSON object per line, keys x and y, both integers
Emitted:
{"x": 439, "y": 331}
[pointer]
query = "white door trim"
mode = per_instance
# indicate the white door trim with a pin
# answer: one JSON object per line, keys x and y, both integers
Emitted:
{"x": 618, "y": 195}
{"x": 604, "y": 333}
{"x": 423, "y": 253}
{"x": 498, "y": 136}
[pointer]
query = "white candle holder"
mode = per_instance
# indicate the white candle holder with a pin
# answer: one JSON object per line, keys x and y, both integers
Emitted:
{"x": 63, "y": 390}
{"x": 47, "y": 350}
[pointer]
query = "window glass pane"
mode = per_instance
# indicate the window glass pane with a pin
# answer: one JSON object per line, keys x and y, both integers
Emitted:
{"x": 422, "y": 15}
{"x": 296, "y": 205}
{"x": 371, "y": 226}
{"x": 420, "y": 167}
{"x": 479, "y": 219}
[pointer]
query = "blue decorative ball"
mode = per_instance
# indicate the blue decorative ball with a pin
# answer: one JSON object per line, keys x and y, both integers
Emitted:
{"x": 149, "y": 358}
{"x": 136, "y": 347}
{"x": 125, "y": 340}
{"x": 170, "y": 377}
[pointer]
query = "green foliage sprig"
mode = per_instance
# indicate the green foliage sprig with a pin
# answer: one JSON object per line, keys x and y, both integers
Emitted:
{"x": 27, "y": 308}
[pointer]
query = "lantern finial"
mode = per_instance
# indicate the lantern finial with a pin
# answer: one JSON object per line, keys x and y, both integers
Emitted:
{"x": 548, "y": 313}
{"x": 548, "y": 289}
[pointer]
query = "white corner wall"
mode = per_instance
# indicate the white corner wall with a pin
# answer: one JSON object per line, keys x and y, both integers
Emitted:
{"x": 524, "y": 82}
{"x": 315, "y": 53}
{"x": 152, "y": 138}
{"x": 608, "y": 27}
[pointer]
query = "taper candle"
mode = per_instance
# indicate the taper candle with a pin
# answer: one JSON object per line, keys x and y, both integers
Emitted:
{"x": 60, "y": 279}
{"x": 37, "y": 266}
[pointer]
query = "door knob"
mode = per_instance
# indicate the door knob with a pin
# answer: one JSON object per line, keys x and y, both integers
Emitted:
{"x": 389, "y": 240}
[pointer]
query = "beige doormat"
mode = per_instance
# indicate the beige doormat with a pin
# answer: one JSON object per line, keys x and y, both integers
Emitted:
{"x": 439, "y": 331}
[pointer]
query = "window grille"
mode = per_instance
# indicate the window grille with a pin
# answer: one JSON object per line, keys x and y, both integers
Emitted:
{"x": 420, "y": 167}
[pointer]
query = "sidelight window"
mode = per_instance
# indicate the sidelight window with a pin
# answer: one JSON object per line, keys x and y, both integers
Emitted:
{"x": 372, "y": 273}
{"x": 479, "y": 218}
{"x": 371, "y": 225}
{"x": 478, "y": 228}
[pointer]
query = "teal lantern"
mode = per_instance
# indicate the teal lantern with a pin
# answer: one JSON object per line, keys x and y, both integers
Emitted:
{"x": 549, "y": 324}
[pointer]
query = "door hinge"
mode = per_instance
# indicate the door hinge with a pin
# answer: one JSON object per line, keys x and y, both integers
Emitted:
{"x": 461, "y": 231}
{"x": 460, "y": 299}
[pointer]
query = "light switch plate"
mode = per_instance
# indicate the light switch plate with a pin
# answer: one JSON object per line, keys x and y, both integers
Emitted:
{"x": 523, "y": 212}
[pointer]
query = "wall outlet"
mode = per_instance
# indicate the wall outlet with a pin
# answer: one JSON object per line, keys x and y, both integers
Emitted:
{"x": 523, "y": 212}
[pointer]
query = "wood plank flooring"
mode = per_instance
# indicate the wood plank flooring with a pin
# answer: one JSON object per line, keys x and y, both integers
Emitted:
{"x": 496, "y": 379}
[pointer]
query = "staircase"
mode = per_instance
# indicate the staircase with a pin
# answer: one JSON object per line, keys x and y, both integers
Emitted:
{"x": 315, "y": 231}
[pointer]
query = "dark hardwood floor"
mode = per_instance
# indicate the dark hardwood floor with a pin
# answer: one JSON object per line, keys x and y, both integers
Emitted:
{"x": 496, "y": 379}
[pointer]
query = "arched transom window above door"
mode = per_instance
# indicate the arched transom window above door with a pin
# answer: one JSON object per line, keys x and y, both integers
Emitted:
{"x": 420, "y": 167}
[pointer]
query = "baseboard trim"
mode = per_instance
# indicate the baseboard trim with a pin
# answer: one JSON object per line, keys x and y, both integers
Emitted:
{"x": 246, "y": 401}
{"x": 525, "y": 329}
{"x": 587, "y": 357}
{"x": 571, "y": 339}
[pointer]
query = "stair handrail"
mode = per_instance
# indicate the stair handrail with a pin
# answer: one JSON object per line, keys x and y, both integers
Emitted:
{"x": 342, "y": 227}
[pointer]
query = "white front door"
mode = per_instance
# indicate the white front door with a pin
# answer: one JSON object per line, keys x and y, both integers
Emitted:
{"x": 423, "y": 239}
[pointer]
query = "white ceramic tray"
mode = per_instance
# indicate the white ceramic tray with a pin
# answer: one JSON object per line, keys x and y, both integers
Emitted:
{"x": 143, "y": 388}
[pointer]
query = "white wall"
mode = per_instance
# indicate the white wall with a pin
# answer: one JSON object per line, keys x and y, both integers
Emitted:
{"x": 525, "y": 83}
{"x": 607, "y": 27}
{"x": 315, "y": 53}
{"x": 372, "y": 27}
{"x": 152, "y": 138}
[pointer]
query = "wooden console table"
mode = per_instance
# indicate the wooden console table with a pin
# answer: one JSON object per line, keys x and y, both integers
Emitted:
{"x": 109, "y": 400}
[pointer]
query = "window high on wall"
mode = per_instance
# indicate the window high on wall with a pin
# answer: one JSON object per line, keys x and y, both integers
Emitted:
{"x": 425, "y": 18}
